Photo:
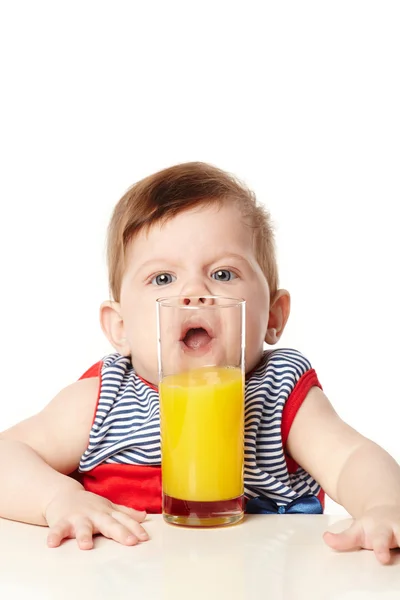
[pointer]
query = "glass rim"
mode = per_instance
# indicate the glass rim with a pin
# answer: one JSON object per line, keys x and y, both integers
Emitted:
{"x": 174, "y": 302}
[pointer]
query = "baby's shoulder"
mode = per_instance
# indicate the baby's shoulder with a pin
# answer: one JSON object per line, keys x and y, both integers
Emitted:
{"x": 281, "y": 361}
{"x": 277, "y": 377}
{"x": 110, "y": 361}
{"x": 278, "y": 370}
{"x": 110, "y": 366}
{"x": 59, "y": 432}
{"x": 121, "y": 388}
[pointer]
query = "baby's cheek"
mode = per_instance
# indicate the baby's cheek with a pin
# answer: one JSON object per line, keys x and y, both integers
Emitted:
{"x": 256, "y": 327}
{"x": 144, "y": 330}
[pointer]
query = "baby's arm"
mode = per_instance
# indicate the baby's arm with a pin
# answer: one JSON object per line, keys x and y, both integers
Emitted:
{"x": 35, "y": 458}
{"x": 353, "y": 470}
{"x": 56, "y": 438}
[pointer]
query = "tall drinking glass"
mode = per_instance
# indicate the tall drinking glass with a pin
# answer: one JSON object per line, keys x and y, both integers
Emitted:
{"x": 201, "y": 367}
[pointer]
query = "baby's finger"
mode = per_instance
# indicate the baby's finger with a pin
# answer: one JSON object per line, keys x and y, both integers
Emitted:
{"x": 112, "y": 529}
{"x": 84, "y": 534}
{"x": 349, "y": 539}
{"x": 380, "y": 542}
{"x": 58, "y": 533}
{"x": 133, "y": 526}
{"x": 138, "y": 515}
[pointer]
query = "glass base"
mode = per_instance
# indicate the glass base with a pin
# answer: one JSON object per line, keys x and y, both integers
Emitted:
{"x": 203, "y": 514}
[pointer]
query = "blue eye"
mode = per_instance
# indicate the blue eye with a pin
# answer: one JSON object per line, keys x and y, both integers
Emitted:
{"x": 223, "y": 275}
{"x": 163, "y": 279}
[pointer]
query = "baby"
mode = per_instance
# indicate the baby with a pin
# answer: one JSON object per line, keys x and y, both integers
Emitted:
{"x": 192, "y": 230}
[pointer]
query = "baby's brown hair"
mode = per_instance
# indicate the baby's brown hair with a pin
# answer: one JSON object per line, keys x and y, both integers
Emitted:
{"x": 169, "y": 192}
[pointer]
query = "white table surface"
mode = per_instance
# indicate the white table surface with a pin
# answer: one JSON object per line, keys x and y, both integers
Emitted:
{"x": 278, "y": 557}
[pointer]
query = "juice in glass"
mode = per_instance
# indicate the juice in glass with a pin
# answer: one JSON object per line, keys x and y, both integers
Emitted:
{"x": 202, "y": 442}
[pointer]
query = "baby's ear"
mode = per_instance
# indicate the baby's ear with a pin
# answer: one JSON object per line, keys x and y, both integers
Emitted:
{"x": 113, "y": 327}
{"x": 278, "y": 315}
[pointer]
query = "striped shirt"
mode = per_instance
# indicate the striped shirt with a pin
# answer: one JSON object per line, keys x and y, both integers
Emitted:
{"x": 126, "y": 426}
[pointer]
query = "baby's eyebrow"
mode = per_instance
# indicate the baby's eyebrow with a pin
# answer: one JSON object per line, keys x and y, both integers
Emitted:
{"x": 159, "y": 263}
{"x": 234, "y": 256}
{"x": 153, "y": 261}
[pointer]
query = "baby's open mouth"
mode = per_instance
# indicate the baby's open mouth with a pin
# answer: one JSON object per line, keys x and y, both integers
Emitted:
{"x": 196, "y": 338}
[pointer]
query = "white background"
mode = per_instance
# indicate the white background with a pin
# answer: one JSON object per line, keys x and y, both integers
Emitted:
{"x": 299, "y": 99}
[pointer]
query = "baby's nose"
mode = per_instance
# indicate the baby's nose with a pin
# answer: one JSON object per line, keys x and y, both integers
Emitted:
{"x": 198, "y": 300}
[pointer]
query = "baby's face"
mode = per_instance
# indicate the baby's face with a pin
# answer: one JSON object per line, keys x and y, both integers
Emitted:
{"x": 204, "y": 251}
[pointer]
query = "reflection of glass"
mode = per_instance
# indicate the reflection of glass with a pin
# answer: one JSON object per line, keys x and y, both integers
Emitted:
{"x": 206, "y": 566}
{"x": 201, "y": 362}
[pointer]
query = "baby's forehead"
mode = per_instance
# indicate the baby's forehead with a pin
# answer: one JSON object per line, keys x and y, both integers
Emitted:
{"x": 209, "y": 221}
{"x": 192, "y": 237}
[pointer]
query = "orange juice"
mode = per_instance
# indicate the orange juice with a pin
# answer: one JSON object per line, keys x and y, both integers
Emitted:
{"x": 202, "y": 437}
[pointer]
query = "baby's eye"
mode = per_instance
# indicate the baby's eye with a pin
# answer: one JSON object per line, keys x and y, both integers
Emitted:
{"x": 163, "y": 279}
{"x": 223, "y": 275}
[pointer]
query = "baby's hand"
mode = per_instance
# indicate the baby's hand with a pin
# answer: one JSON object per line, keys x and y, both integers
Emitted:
{"x": 378, "y": 530}
{"x": 80, "y": 514}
